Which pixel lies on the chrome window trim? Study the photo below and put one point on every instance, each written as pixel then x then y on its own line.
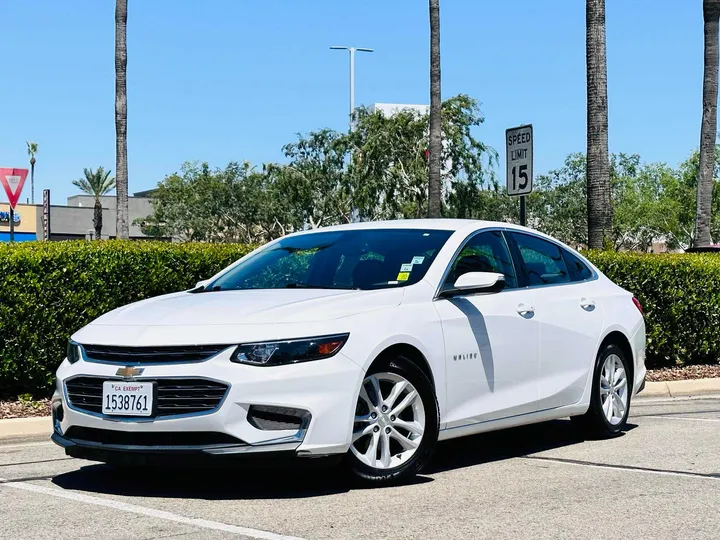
pixel 141 419
pixel 504 230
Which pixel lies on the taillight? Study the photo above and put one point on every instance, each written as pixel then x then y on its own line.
pixel 638 305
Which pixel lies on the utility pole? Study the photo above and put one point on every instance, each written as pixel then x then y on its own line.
pixel 352 51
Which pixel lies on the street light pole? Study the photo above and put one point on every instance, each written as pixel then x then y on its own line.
pixel 352 51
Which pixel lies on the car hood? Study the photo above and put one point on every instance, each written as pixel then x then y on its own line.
pixel 260 306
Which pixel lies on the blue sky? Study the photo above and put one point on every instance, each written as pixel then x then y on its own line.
pixel 221 80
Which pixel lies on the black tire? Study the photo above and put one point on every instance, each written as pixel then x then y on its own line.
pixel 594 423
pixel 368 475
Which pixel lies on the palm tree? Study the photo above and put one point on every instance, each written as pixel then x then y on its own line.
pixel 708 128
pixel 123 228
pixel 97 184
pixel 598 164
pixel 32 150
pixel 435 146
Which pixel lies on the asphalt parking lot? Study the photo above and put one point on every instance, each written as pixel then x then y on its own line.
pixel 660 479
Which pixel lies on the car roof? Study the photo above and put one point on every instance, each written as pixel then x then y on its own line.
pixel 432 224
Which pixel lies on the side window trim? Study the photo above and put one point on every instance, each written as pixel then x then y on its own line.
pixel 516 259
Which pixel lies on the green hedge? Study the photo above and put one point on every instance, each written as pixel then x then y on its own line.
pixel 680 294
pixel 51 289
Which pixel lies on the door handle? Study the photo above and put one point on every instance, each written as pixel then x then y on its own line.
pixel 587 305
pixel 526 311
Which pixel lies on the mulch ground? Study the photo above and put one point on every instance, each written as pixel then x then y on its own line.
pixel 24 409
pixel 27 409
pixel 683 373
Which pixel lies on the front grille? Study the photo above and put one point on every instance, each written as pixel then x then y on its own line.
pixel 174 396
pixel 154 438
pixel 152 355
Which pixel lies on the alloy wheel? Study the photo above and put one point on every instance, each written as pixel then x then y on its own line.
pixel 613 389
pixel 389 421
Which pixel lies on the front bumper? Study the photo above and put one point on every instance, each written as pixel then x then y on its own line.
pixel 171 455
pixel 326 389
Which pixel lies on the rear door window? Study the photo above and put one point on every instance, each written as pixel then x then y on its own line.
pixel 579 271
pixel 542 262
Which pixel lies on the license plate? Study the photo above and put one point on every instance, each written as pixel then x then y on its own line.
pixel 127 398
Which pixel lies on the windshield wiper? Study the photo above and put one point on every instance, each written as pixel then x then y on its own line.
pixel 298 285
pixel 204 289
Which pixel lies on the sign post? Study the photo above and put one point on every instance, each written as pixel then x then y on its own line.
pixel 46 214
pixel 13 181
pixel 519 164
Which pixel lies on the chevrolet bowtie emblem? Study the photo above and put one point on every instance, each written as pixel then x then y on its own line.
pixel 129 372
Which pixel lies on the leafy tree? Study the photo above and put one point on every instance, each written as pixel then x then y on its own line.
pixel 388 170
pixel 653 202
pixel 380 168
pixel 708 128
pixel 123 227
pixel 436 141
pixel 689 173
pixel 315 184
pixel 96 183
pixel 558 204
pixel 236 204
pixel 598 179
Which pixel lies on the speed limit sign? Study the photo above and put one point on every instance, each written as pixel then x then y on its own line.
pixel 519 160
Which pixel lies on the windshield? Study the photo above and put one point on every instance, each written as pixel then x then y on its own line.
pixel 353 259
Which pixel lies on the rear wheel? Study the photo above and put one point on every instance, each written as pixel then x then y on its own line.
pixel 610 399
pixel 395 429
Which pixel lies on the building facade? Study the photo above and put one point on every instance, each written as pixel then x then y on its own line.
pixel 26 222
pixel 73 221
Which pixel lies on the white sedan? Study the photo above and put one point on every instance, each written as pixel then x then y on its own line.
pixel 371 340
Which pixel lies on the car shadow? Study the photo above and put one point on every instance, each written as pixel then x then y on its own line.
pixel 304 478
pixel 506 444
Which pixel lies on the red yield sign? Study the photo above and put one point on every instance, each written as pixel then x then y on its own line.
pixel 13 181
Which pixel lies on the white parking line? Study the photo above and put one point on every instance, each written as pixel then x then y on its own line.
pixel 650 401
pixel 24 445
pixel 151 512
pixel 683 418
pixel 620 468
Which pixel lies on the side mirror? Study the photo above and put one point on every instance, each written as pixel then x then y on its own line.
pixel 201 283
pixel 474 283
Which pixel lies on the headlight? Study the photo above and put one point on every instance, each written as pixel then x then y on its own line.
pixel 277 353
pixel 73 351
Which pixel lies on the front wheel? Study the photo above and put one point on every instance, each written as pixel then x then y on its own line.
pixel 395 429
pixel 610 398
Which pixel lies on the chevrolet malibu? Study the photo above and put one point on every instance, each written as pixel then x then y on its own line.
pixel 371 340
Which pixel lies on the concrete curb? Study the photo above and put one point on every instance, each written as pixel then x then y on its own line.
pixel 42 425
pixel 25 427
pixel 689 388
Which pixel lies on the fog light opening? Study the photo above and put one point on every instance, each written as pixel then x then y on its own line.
pixel 58 413
pixel 269 418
